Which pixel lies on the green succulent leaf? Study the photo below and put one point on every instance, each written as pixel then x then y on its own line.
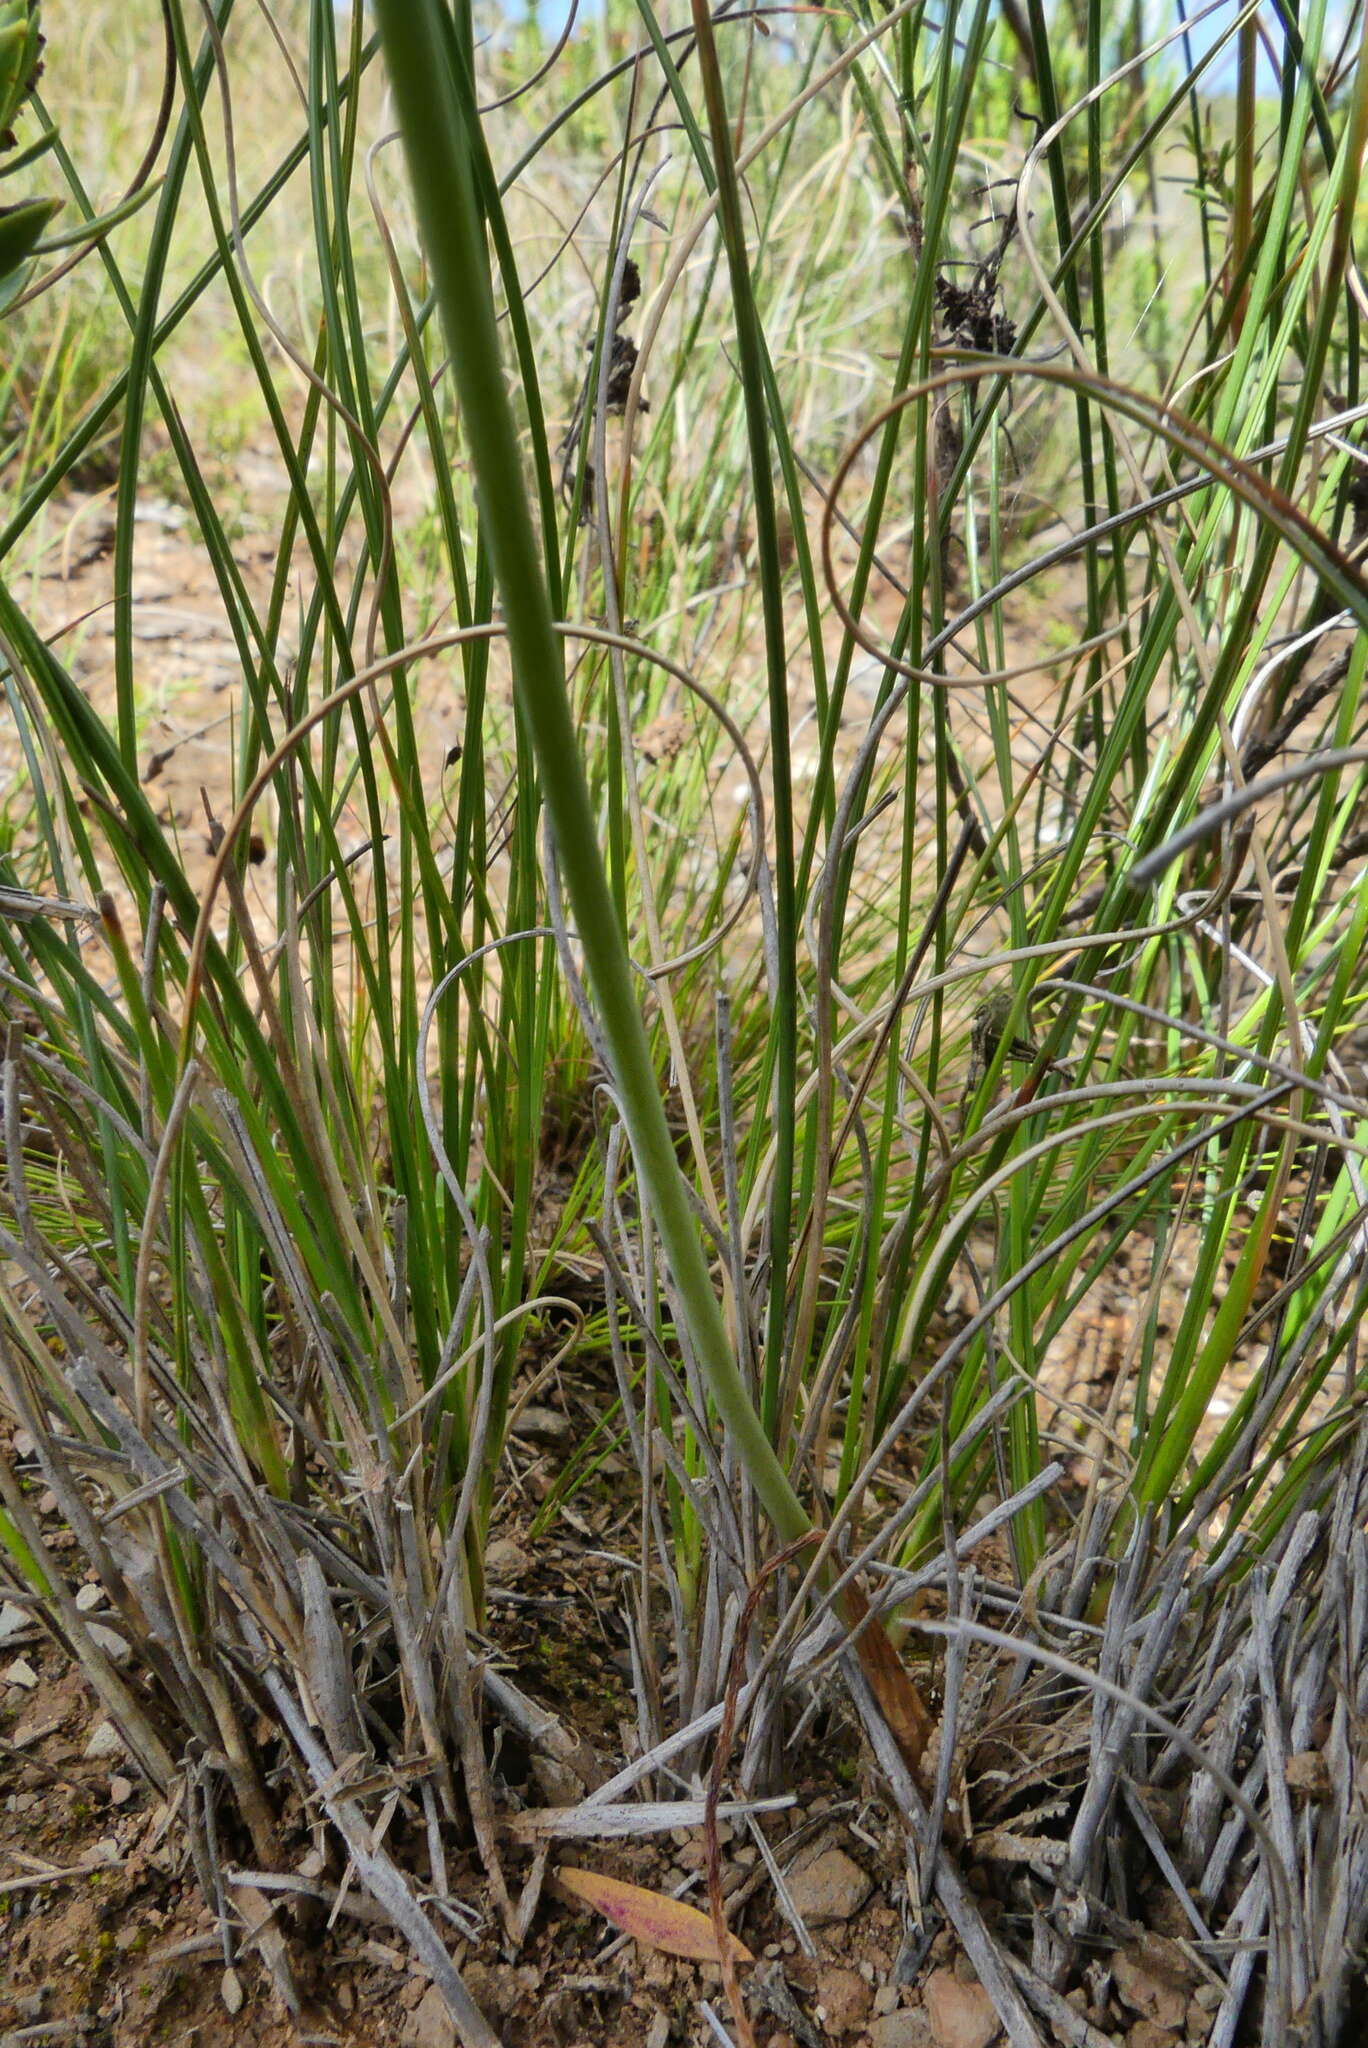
pixel 20 43
pixel 21 229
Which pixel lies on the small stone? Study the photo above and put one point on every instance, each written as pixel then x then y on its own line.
pixel 120 1791
pixel 47 1502
pixel 1151 1992
pixel 88 1598
pixel 908 2029
pixel 111 1642
pixel 1145 2034
pixel 105 1740
pixel 886 1999
pixel 22 1673
pixel 505 1561
pixel 829 1889
pixel 542 1425
pixel 13 1622
pixel 961 2015
pixel 1308 1773
pixel 430 2025
pixel 844 1999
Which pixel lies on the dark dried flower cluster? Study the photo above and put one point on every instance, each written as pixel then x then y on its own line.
pixel 972 318
pixel 622 361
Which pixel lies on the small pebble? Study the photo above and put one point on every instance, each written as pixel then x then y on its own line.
pixel 21 1672
pixel 105 1740
pixel 542 1425
pixel 828 1888
pixel 13 1621
pixel 112 1643
pixel 89 1597
pixel 505 1561
pixel 120 1791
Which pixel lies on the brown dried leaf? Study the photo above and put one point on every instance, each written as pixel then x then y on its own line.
pixel 650 1917
pixel 900 1702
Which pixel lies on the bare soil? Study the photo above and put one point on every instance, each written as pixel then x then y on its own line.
pixel 105 1937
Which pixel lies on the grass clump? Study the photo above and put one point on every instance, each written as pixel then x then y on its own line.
pixel 860 528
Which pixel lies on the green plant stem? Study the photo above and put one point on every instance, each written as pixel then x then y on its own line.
pixel 435 116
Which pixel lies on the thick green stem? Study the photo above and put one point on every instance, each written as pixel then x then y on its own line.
pixel 435 111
